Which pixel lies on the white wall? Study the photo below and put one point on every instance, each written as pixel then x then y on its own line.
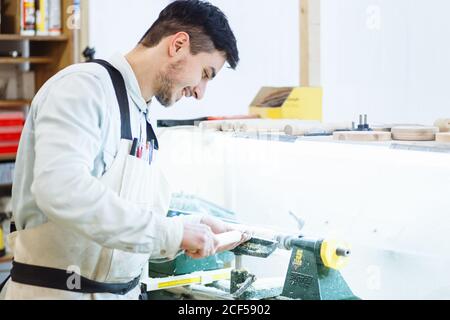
pixel 386 58
pixel 267 33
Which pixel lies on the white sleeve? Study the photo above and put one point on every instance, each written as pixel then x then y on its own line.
pixel 68 138
pixel 194 218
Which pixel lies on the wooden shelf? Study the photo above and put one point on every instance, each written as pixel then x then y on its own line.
pixel 14 103
pixel 18 37
pixel 8 157
pixel 8 258
pixel 34 60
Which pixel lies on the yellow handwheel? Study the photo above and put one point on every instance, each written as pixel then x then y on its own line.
pixel 334 254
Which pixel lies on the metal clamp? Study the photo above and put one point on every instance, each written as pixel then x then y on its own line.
pixel 244 286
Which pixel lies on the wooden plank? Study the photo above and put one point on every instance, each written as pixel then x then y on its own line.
pixel 8 157
pixel 18 37
pixel 414 133
pixel 84 38
pixel 304 43
pixel 67 56
pixel 35 60
pixel 14 103
pixel 365 136
pixel 315 43
pixel 443 137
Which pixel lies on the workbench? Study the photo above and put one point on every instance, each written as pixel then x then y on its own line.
pixel 387 199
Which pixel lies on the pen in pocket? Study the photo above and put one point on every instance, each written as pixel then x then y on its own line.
pixel 151 150
pixel 147 151
pixel 140 151
pixel 134 147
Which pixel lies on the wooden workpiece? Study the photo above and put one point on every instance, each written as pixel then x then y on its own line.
pixel 443 137
pixel 365 136
pixel 443 125
pixel 256 125
pixel 414 133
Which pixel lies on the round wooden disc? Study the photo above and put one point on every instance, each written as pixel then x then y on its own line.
pixel 443 137
pixel 362 136
pixel 414 133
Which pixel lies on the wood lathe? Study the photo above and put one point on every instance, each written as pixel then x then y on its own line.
pixel 312 272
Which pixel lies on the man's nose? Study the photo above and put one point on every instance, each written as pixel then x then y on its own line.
pixel 199 91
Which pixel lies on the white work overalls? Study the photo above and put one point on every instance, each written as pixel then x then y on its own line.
pixel 49 256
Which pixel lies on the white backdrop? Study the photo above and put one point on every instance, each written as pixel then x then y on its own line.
pixel 387 58
pixel 267 33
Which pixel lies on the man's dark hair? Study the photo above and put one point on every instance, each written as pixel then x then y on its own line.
pixel 206 25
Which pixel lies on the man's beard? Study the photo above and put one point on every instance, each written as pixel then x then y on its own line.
pixel 166 84
pixel 164 92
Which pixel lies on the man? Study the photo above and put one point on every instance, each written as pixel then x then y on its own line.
pixel 89 198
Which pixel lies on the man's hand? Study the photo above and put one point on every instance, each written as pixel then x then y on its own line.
pixel 218 226
pixel 198 240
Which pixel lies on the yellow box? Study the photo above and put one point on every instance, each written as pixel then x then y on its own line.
pixel 303 103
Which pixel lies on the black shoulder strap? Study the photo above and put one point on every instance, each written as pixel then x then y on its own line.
pixel 122 98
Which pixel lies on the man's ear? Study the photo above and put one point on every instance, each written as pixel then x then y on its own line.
pixel 179 41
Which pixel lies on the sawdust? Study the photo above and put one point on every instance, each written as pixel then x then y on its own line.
pixel 257 250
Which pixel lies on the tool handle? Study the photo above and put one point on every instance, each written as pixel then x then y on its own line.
pixel 227 238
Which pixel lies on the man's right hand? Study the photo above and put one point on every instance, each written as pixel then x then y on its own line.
pixel 198 240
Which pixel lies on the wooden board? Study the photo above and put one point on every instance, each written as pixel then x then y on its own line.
pixel 14 103
pixel 414 133
pixel 7 157
pixel 362 136
pixel 443 137
pixel 301 130
pixel 34 60
pixel 304 43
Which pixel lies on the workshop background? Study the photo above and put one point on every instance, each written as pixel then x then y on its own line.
pixel 378 63
pixel 378 57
